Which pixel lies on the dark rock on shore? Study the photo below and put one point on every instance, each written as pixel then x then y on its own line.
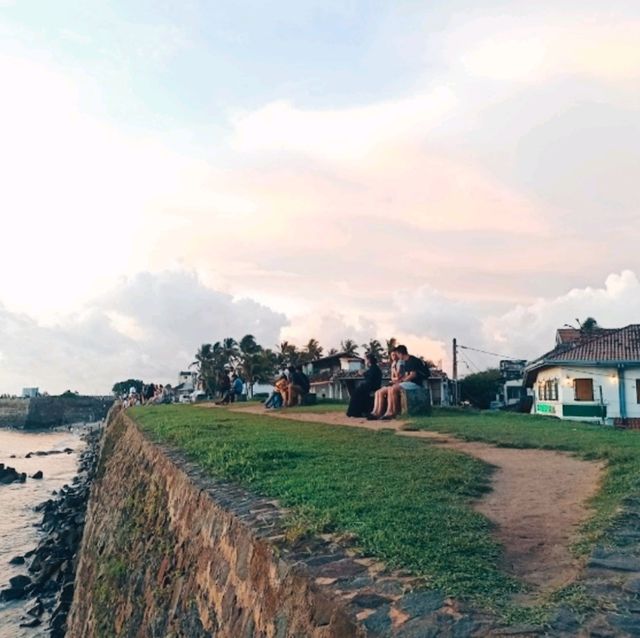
pixel 37 475
pixel 52 564
pixel 17 560
pixel 11 475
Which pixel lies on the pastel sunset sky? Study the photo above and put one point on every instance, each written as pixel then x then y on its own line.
pixel 175 172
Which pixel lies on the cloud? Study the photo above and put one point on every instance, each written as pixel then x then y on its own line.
pixel 529 330
pixel 340 135
pixel 534 48
pixel 149 327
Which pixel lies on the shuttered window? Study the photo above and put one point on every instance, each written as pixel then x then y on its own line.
pixel 638 390
pixel 583 389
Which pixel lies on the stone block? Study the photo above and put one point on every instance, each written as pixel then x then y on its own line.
pixel 415 402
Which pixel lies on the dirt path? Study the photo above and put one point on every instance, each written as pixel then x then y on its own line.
pixel 537 503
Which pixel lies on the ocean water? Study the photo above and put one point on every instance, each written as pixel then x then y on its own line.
pixel 18 533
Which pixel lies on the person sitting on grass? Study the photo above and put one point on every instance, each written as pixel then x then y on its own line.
pixel 361 402
pixel 276 398
pixel 381 395
pixel 298 387
pixel 415 373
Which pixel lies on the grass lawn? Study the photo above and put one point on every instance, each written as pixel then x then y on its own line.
pixel 620 449
pixel 407 501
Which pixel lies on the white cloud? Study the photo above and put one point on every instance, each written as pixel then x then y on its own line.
pixel 341 135
pixel 537 47
pixel 149 327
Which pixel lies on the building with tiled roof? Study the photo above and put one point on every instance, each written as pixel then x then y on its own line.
pixel 590 375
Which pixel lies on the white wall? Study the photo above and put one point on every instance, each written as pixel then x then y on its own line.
pixel 603 378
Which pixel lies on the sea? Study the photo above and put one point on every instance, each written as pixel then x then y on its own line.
pixel 18 519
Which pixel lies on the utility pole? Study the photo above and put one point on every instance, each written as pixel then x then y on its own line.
pixel 455 371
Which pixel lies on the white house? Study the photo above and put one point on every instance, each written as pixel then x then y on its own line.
pixel 590 376
pixel 187 383
pixel 326 374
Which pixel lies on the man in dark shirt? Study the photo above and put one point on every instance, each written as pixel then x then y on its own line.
pixel 415 374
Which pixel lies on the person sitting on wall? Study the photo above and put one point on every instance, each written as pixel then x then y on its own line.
pixel 381 395
pixel 415 374
pixel 361 402
pixel 277 397
pixel 299 386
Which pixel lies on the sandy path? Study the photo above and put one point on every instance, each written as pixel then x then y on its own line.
pixel 537 503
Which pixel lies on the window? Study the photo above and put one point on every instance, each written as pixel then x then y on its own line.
pixel 638 390
pixel 583 389
pixel 548 390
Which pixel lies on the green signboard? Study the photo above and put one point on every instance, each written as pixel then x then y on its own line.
pixel 545 408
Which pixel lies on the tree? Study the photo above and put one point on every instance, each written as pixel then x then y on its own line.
pixel 205 365
pixel 480 388
pixel 122 387
pixel 374 348
pixel 391 345
pixel 349 347
pixel 332 351
pixel 589 325
pixel 288 355
pixel 230 351
pixel 249 353
pixel 312 351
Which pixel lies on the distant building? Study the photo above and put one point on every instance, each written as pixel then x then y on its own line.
pixel 512 390
pixel 326 375
pixel 30 393
pixel 589 376
pixel 187 383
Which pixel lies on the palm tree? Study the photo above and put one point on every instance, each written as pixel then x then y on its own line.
pixel 230 351
pixel 332 351
pixel 374 348
pixel 313 350
pixel 349 347
pixel 589 325
pixel 249 352
pixel 205 368
pixel 391 345
pixel 288 355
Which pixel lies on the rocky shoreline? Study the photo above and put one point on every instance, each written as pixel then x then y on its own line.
pixel 47 587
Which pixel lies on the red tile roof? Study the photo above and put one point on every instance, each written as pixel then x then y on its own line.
pixel 605 345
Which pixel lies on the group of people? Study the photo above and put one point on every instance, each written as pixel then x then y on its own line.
pixel 231 388
pixel 151 394
pixel 290 388
pixel 369 399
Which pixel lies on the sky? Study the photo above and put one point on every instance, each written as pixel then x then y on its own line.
pixel 175 172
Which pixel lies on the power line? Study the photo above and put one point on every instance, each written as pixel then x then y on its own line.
pixel 493 354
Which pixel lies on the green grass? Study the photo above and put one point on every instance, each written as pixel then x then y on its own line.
pixel 619 449
pixel 405 500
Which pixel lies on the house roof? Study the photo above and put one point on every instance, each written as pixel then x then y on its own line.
pixel 571 335
pixel 607 345
pixel 337 355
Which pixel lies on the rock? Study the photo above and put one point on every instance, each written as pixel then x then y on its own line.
pixel 17 560
pixel 20 582
pixel 419 603
pixel 416 402
pixel 379 622
pixel 37 475
pixel 369 600
pixel 11 475
pixel 36 610
pixel 34 622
